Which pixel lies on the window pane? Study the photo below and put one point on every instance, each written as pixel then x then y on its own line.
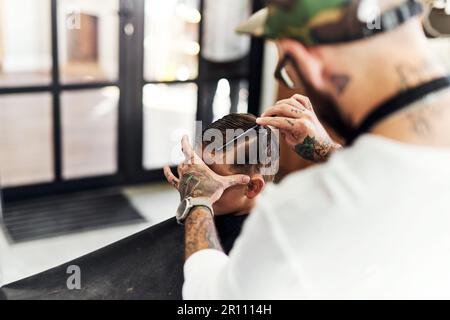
pixel 230 96
pixel 89 122
pixel 26 145
pixel 171 39
pixel 25 42
pixel 169 113
pixel 88 40
pixel 219 98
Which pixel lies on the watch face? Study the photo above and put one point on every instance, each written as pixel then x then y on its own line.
pixel 182 208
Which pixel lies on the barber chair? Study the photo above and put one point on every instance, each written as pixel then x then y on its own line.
pixel 147 265
pixel 144 266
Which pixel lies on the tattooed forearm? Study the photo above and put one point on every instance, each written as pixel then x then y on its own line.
pixel 200 232
pixel 313 150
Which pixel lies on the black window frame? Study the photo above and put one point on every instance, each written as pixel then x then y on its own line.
pixel 130 113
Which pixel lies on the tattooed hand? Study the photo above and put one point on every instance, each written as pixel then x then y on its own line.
pixel 196 179
pixel 298 123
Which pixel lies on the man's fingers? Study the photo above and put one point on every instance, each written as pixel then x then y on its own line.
pixel 304 100
pixel 291 101
pixel 283 110
pixel 190 155
pixel 174 181
pixel 179 169
pixel 238 179
pixel 296 101
pixel 281 123
pixel 187 149
pixel 283 104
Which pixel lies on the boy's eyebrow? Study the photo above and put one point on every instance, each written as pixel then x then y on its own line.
pixel 239 136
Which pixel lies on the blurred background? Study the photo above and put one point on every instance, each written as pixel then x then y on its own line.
pixel 94 99
pixel 86 83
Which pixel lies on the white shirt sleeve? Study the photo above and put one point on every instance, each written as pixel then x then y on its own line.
pixel 258 266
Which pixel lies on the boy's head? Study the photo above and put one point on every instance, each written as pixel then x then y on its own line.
pixel 248 154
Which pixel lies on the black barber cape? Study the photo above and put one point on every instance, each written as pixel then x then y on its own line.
pixel 147 265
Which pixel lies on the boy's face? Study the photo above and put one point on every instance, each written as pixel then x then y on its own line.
pixel 234 200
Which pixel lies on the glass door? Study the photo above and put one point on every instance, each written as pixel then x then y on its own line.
pixel 59 95
pixel 195 68
pixel 98 93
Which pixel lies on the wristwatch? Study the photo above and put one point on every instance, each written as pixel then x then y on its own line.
pixel 187 204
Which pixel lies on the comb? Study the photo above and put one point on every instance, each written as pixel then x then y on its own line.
pixel 237 137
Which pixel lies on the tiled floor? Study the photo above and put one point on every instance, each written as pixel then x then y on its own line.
pixel 17 261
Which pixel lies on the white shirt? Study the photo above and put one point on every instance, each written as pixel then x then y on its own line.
pixel 372 223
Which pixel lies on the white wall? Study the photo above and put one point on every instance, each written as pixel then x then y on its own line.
pixel 268 84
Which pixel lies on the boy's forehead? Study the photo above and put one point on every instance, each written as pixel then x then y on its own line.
pixel 221 169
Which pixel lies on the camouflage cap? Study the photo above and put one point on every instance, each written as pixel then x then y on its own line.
pixel 314 22
pixel 294 19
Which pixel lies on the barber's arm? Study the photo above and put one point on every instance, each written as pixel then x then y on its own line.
pixel 199 189
pixel 200 232
pixel 209 272
pixel 299 125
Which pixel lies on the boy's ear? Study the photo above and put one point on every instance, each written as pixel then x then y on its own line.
pixel 255 186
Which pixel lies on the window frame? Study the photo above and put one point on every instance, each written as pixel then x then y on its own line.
pixel 131 82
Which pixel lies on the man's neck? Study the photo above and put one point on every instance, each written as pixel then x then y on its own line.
pixel 366 91
pixel 246 208
pixel 426 122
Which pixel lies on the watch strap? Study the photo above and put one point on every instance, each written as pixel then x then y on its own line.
pixel 195 202
pixel 205 202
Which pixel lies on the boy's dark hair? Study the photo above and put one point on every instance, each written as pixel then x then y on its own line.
pixel 247 121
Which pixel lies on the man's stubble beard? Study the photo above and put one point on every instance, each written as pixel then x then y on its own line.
pixel 328 112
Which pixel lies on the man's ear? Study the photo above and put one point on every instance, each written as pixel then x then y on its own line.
pixel 255 186
pixel 310 62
